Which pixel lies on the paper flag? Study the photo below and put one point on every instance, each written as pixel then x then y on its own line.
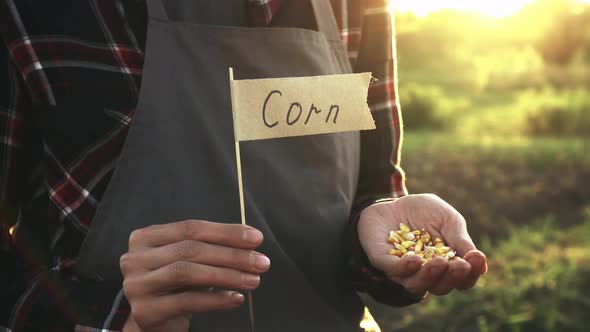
pixel 296 106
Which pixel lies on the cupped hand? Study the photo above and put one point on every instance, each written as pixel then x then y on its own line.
pixel 174 270
pixel 429 212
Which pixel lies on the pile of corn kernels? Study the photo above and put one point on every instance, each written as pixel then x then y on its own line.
pixel 418 242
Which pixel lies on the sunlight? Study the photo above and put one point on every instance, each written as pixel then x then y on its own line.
pixel 497 8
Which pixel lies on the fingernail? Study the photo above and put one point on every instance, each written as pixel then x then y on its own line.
pixel 261 262
pixel 237 298
pixel 250 280
pixel 252 235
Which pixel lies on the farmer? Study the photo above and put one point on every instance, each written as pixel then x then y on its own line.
pixel 119 177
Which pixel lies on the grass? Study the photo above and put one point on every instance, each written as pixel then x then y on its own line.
pixel 498 181
pixel 537 280
pixel 527 207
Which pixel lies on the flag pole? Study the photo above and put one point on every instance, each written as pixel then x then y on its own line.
pixel 240 183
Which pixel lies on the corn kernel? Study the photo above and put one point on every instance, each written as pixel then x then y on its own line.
pixel 409 236
pixel 395 252
pixel 392 239
pixel 441 250
pixel 408 244
pixel 419 246
pixel 397 236
pixel 404 228
pixel 418 242
pixel 409 253
pixel 400 248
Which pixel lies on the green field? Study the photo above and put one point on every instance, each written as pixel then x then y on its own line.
pixel 497 122
pixel 527 207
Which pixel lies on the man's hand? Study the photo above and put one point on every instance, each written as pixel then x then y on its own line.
pixel 177 269
pixel 436 216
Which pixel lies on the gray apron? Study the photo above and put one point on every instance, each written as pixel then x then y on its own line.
pixel 178 161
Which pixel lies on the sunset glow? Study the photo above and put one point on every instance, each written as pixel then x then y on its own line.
pixel 497 8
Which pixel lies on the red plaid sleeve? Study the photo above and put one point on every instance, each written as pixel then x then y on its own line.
pixel 39 291
pixel 372 49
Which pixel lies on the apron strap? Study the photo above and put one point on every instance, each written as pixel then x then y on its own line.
pixel 325 19
pixel 156 10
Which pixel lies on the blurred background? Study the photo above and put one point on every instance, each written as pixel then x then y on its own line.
pixel 495 97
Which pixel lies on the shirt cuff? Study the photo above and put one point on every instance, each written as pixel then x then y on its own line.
pixel 367 279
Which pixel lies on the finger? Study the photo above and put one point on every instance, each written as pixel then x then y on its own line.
pixel 153 311
pixel 395 267
pixel 182 275
pixel 453 277
pixel 428 276
pixel 231 235
pixel 477 260
pixel 195 252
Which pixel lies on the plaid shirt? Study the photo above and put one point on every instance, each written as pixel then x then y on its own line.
pixel 70 73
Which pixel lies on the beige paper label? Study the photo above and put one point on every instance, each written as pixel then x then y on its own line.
pixel 296 106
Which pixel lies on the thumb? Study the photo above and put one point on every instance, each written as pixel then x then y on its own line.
pixel 454 232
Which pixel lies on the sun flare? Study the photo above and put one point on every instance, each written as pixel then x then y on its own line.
pixel 496 8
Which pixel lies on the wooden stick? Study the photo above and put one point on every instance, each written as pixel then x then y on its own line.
pixel 240 183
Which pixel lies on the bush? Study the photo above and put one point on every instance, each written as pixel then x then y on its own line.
pixel 426 107
pixel 539 280
pixel 553 113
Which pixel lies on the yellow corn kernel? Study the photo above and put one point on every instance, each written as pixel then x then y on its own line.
pixel 419 246
pixel 421 254
pixel 424 261
pixel 437 240
pixel 400 248
pixel 395 252
pixel 425 237
pixel 408 244
pixel 409 236
pixel 397 236
pixel 441 250
pixel 439 244
pixel 404 228
pixel 392 239
pixel 409 253
pixel 417 232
